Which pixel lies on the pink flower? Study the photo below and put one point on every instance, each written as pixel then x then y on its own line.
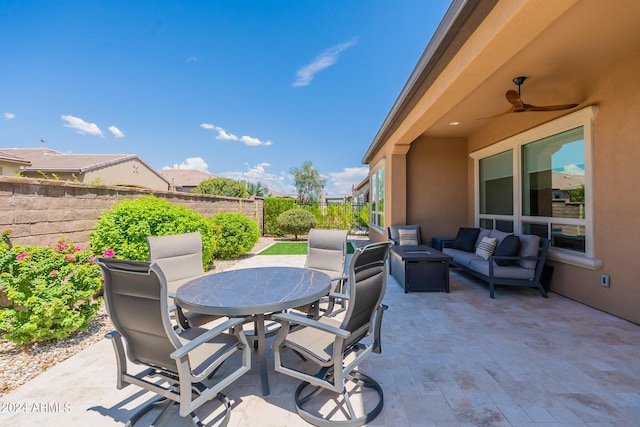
pixel 54 273
pixel 22 256
pixel 70 258
pixel 77 249
pixel 109 253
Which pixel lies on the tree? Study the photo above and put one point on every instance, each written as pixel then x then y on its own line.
pixel 223 187
pixel 257 189
pixel 307 181
pixel 296 221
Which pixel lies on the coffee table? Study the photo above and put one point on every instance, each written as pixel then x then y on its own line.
pixel 420 268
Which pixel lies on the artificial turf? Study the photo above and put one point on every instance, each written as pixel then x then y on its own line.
pixel 293 248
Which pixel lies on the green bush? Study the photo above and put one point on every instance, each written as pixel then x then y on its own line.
pixel 52 289
pixel 238 234
pixel 274 206
pixel 223 187
pixel 125 227
pixel 296 221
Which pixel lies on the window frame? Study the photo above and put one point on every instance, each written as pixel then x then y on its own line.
pixel 583 118
pixel 376 216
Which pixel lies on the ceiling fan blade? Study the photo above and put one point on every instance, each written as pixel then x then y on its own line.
pixel 529 107
pixel 514 98
pixel 509 111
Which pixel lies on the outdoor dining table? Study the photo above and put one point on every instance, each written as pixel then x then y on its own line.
pixel 256 292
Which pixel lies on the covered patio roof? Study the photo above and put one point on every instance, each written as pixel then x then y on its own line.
pixel 480 46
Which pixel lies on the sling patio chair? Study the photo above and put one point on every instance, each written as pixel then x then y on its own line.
pixel 335 348
pixel 180 258
pixel 327 253
pixel 187 362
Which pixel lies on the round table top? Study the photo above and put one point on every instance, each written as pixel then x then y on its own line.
pixel 251 291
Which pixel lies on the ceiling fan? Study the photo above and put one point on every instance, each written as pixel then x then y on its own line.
pixel 518 106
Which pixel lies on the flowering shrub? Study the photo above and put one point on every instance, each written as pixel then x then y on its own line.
pixel 52 289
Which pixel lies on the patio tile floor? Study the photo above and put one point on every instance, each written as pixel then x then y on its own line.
pixel 456 359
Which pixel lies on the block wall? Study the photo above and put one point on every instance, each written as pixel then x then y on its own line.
pixel 39 211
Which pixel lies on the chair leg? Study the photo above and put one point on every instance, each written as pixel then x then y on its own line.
pixel 353 420
pixel 167 404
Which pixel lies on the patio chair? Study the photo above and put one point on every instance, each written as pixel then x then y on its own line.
pixel 179 256
pixel 136 299
pixel 405 234
pixel 336 347
pixel 327 253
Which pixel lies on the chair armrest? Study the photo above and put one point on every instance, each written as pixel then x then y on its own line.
pixel 447 243
pixel 185 349
pixel 338 295
pixel 305 321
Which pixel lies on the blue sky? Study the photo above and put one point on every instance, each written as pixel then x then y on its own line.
pixel 242 89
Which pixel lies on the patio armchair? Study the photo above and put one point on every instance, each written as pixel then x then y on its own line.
pixel 180 258
pixel 327 253
pixel 336 348
pixel 404 234
pixel 186 362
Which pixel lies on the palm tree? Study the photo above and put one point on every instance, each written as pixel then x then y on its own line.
pixel 257 189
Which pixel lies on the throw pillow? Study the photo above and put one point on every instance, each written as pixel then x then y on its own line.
pixel 466 239
pixel 528 247
pixel 510 246
pixel 486 247
pixel 407 237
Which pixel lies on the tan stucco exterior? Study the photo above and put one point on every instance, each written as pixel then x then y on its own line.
pixel 577 51
pixel 128 173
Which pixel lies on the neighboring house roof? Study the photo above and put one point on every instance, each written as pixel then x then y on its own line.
pixel 47 160
pixel 273 193
pixel 10 158
pixel 565 181
pixel 185 178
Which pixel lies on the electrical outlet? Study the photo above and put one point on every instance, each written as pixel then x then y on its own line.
pixel 605 280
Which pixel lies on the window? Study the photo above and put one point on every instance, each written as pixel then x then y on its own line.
pixel 539 182
pixel 496 191
pixel 553 189
pixel 377 198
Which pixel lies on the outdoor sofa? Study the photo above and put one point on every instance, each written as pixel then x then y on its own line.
pixel 499 258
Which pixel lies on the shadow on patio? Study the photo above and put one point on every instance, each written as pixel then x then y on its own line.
pixel 448 360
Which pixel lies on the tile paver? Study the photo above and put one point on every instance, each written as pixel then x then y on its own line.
pixel 456 359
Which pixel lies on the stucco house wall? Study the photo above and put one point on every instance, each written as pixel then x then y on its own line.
pixel 550 45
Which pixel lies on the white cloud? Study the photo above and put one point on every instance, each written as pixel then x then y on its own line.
pixel 9 116
pixel 326 59
pixel 81 126
pixel 277 182
pixel 116 132
pixel 573 170
pixel 193 59
pixel 340 183
pixel 224 136
pixel 196 163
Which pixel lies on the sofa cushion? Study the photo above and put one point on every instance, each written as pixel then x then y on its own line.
pixel 466 239
pixel 528 247
pixel 499 235
pixel 481 235
pixel 461 257
pixel 509 246
pixel 506 272
pixel 486 247
pixel 407 237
